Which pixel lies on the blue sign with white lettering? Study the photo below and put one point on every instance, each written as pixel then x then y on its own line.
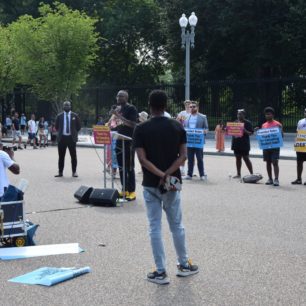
pixel 269 138
pixel 195 138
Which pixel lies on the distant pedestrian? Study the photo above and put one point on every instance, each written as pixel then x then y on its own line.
pixel 67 125
pixel 219 136
pixel 32 129
pixel 300 156
pixel 23 123
pixel 241 145
pixel 271 156
pixel 8 124
pixel 41 132
pixel 16 130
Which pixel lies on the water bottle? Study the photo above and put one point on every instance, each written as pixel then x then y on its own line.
pixel 23 185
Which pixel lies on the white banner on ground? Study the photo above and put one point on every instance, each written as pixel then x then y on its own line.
pixel 39 250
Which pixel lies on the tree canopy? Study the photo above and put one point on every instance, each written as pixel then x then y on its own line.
pixel 235 39
pixel 54 51
pixel 8 67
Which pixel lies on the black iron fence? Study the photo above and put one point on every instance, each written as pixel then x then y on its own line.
pixel 219 100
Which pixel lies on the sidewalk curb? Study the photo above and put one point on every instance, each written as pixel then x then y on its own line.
pixel 85 145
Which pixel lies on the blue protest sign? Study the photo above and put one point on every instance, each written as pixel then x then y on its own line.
pixel 195 138
pixel 48 276
pixel 269 138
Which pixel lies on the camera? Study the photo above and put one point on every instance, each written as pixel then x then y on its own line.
pixel 8 148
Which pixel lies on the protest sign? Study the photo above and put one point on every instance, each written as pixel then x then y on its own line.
pixel 269 138
pixel 235 129
pixel 195 138
pixel 300 141
pixel 49 276
pixel 102 134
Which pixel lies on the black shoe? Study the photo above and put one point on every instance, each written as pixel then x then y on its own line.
pixel 158 278
pixel 297 182
pixel 187 270
pixel 74 174
pixel 20 148
pixel 269 182
pixel 59 175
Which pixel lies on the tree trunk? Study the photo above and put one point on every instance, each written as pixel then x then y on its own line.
pixel 57 107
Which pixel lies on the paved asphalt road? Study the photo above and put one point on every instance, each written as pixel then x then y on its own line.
pixel 249 240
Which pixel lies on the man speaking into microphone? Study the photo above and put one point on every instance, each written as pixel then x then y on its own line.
pixel 127 114
pixel 68 125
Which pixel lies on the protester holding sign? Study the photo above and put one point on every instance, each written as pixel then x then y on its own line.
pixel 271 156
pixel 195 141
pixel 300 148
pixel 241 145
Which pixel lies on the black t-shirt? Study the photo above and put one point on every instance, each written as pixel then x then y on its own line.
pixel 16 124
pixel 161 138
pixel 243 143
pixel 129 112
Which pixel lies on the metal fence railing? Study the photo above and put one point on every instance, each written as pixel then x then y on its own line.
pixel 219 100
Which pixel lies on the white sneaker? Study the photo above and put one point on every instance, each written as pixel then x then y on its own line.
pixel 187 177
pixel 203 178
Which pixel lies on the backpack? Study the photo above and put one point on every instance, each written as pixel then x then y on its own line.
pixel 252 178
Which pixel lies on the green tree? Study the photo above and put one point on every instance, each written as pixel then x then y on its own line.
pixel 55 51
pixel 132 49
pixel 8 66
pixel 239 39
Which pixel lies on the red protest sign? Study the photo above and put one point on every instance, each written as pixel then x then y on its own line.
pixel 235 129
pixel 102 134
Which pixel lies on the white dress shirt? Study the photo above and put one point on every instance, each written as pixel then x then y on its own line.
pixel 65 124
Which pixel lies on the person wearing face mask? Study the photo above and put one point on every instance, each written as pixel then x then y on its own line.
pixel 127 114
pixel 68 125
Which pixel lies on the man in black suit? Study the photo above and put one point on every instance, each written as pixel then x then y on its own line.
pixel 68 125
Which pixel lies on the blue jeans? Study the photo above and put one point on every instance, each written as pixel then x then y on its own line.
pixel 199 154
pixel 170 202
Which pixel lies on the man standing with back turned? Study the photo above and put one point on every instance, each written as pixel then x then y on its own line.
pixel 160 144
pixel 67 125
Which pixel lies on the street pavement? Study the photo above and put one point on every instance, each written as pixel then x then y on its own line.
pixel 248 240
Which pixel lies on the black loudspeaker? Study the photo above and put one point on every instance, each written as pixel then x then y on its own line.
pixel 104 197
pixel 83 193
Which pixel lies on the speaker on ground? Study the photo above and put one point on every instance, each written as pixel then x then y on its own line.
pixel 104 197
pixel 83 193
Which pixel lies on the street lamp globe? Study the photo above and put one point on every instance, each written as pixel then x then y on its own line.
pixel 193 19
pixel 183 21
